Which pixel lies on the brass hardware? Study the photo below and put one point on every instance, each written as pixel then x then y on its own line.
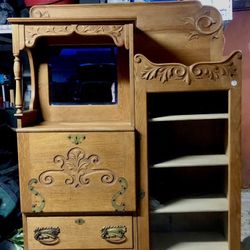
pixel 76 139
pixel 40 201
pixel 79 221
pixel 47 235
pixel 114 234
pixel 124 185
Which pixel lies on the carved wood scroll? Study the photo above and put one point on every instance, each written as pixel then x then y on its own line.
pixel 166 72
pixel 78 169
pixel 206 22
pixel 117 32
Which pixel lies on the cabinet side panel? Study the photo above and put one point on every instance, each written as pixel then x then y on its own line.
pixel 234 169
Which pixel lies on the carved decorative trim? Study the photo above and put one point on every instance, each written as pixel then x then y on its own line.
pixel 214 72
pixel 116 32
pixel 164 73
pixel 206 22
pixel 39 13
pixel 78 169
pixel 33 32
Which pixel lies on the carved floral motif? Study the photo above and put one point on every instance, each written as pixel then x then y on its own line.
pixel 180 72
pixel 116 32
pixel 207 21
pixel 78 169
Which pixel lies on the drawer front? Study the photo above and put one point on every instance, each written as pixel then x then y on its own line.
pixel 80 232
pixel 88 172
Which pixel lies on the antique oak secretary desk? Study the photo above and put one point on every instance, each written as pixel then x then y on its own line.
pixel 132 137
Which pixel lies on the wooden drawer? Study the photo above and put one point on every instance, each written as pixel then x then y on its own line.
pixel 80 232
pixel 93 173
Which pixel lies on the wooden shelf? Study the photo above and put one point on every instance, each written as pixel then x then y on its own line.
pixel 189 241
pixel 77 126
pixel 194 161
pixel 189 117
pixel 194 205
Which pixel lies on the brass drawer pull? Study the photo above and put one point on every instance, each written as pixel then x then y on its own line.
pixel 114 234
pixel 47 235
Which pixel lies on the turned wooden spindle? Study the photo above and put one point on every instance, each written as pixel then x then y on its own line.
pixel 18 77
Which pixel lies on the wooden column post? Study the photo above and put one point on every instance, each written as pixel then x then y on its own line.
pixel 18 80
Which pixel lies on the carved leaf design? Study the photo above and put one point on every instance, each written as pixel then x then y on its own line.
pixel 163 72
pixel 90 29
pixel 175 72
pixel 33 32
pixel 214 71
pixel 149 72
pixel 116 32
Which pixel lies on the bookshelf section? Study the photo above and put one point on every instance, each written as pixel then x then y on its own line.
pixel 188 169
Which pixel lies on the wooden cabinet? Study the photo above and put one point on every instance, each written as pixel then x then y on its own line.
pixel 191 130
pixel 87 232
pixel 98 174
pixel 132 137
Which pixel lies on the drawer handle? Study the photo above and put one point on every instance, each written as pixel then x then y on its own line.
pixel 47 235
pixel 114 234
pixel 76 139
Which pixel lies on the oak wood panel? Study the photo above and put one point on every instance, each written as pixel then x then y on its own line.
pixel 174 34
pixel 234 151
pixel 95 175
pixel 48 126
pixel 80 236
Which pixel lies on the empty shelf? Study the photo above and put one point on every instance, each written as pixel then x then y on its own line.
pixel 189 241
pixel 189 117
pixel 193 205
pixel 194 160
